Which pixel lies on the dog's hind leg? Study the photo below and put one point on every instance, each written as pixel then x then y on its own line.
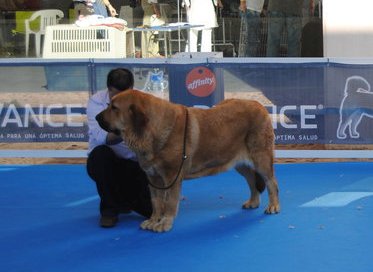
pixel 263 164
pixel 256 185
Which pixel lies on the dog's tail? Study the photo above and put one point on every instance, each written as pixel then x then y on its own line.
pixel 259 182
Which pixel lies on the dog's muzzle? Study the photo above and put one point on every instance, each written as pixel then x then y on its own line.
pixel 104 124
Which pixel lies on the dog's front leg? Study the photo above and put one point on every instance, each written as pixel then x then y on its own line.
pixel 165 207
pixel 171 200
pixel 157 203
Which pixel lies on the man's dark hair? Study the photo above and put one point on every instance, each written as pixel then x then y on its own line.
pixel 120 79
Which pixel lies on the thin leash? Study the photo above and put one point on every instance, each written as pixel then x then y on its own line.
pixel 184 157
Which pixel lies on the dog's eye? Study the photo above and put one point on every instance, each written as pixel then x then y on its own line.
pixel 114 107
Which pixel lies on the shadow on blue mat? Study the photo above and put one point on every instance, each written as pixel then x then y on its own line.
pixel 50 223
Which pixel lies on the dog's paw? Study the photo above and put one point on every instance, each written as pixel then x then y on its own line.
pixel 272 209
pixel 162 225
pixel 148 224
pixel 165 224
pixel 355 134
pixel 251 203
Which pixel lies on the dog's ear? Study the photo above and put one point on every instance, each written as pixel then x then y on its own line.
pixel 138 117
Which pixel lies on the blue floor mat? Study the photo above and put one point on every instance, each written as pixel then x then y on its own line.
pixel 49 222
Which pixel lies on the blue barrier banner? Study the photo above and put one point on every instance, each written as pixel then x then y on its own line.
pixel 43 100
pixel 292 92
pixel 310 102
pixel 349 100
pixel 67 77
pixel 52 123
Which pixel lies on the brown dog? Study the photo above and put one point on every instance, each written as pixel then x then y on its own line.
pixel 173 142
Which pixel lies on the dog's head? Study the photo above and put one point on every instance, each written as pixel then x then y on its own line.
pixel 126 112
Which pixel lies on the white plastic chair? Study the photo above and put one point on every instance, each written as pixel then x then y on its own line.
pixel 47 17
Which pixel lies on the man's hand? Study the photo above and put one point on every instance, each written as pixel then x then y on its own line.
pixel 112 139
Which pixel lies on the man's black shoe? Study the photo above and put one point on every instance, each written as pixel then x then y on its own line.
pixel 108 221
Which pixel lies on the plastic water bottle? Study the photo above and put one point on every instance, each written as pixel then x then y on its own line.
pixel 157 84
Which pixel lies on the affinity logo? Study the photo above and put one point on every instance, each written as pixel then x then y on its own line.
pixel 200 82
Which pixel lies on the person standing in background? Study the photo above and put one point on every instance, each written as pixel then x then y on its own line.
pixel 284 15
pixel 167 8
pixel 90 7
pixel 102 7
pixel 201 12
pixel 82 7
pixel 149 43
pixel 251 25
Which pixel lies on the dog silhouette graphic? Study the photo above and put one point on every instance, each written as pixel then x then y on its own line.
pixel 356 103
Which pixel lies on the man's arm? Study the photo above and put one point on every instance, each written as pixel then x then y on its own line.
pixel 111 9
